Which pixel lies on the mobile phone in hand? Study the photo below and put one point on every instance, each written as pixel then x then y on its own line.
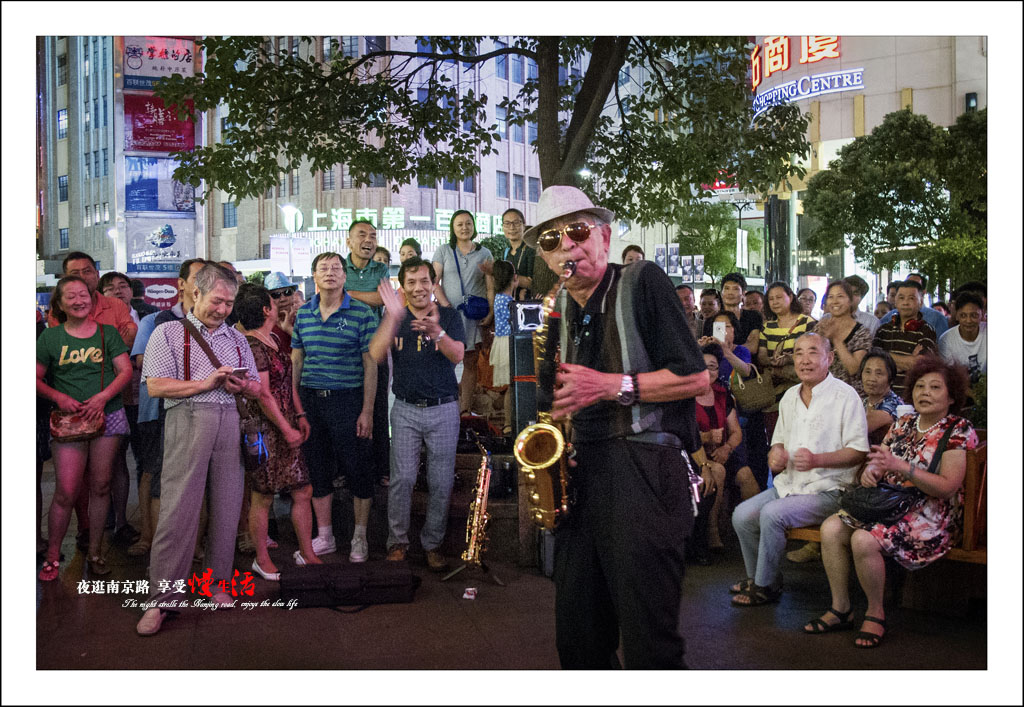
pixel 718 331
pixel 239 372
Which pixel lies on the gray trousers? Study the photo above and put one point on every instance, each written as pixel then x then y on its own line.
pixel 411 428
pixel 201 443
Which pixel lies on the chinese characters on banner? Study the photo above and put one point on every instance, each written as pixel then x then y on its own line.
pixel 775 55
pixel 149 186
pixel 159 245
pixel 149 126
pixel 149 59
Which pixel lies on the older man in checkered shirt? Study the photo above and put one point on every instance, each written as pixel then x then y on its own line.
pixel 201 437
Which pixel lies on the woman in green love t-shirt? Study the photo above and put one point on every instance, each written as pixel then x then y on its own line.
pixel 70 357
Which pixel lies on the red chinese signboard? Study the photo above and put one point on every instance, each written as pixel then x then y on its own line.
pixel 774 57
pixel 150 126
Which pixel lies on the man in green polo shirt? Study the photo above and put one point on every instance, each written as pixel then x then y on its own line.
pixel 336 379
pixel 364 275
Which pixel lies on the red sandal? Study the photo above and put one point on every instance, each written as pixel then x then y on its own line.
pixel 49 571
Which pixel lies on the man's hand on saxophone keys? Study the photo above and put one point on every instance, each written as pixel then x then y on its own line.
pixel 577 387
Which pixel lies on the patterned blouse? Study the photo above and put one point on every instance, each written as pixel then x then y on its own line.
pixel 859 339
pixel 930 529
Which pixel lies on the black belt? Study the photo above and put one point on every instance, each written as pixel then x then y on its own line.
pixel 665 439
pixel 428 402
pixel 326 393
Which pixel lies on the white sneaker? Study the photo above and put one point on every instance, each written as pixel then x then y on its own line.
pixel 324 546
pixel 360 550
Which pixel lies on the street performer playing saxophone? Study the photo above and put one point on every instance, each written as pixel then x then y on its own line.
pixel 425 348
pixel 630 370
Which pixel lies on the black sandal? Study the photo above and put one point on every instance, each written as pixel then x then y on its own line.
pixel 741 586
pixel 873 638
pixel 758 596
pixel 819 625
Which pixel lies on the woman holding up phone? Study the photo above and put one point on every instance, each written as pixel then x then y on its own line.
pixel 721 330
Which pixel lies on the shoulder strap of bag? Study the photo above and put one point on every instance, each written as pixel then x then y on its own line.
pixel 940 450
pixel 103 348
pixel 191 329
pixel 782 344
pixel 455 254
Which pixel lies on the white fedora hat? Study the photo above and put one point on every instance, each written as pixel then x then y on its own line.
pixel 559 201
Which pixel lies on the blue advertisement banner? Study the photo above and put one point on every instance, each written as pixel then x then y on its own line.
pixel 149 186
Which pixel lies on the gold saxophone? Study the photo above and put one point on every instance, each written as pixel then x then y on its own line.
pixel 476 523
pixel 540 449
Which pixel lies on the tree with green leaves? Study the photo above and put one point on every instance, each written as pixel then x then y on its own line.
pixel 909 192
pixel 709 228
pixel 651 117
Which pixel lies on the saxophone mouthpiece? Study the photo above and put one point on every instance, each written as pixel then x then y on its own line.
pixel 569 268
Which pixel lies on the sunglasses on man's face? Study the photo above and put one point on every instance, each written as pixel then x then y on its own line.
pixel 278 294
pixel 579 232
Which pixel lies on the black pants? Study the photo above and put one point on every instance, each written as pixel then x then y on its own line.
pixel 619 558
pixel 381 438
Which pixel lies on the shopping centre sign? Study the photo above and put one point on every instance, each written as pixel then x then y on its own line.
pixel 772 56
pixel 392 218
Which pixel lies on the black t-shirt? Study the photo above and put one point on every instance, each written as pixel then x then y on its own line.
pixel 421 371
pixel 666 337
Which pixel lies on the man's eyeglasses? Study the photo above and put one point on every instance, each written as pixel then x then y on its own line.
pixel 579 232
pixel 286 292
pixel 512 224
pixel 331 270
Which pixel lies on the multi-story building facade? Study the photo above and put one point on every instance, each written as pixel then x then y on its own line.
pixel 848 85
pixel 75 149
pixel 320 205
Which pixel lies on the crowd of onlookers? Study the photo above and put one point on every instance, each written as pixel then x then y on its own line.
pixel 302 388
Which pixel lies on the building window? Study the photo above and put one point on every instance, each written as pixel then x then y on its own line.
pixel 502 186
pixel 230 214
pixel 295 182
pixel 531 132
pixel 501 62
pixel 105 113
pixel 517 68
pixel 518 133
pixel 62 69
pixel 328 48
pixel 281 186
pixel 469 185
pixel 295 46
pixel 63 239
pixel 376 44
pixel 224 125
pixel 424 183
pixel 328 180
pixel 106 212
pixel 377 180
pixel 350 47
pixel 534 189
pixel 531 70
pixel 518 187
pixel 96 213
pixel 623 76
pixel 106 161
pixel 502 116
pixel 62 187
pixel 449 185
pixel 96 162
pixel 62 124
pixel 269 194
pixel 86 115
pixel 469 51
pixel 87 221
pixel 85 162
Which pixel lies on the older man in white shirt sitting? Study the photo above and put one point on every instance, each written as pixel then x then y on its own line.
pixel 820 440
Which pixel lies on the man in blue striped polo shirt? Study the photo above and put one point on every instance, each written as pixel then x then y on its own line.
pixel 336 380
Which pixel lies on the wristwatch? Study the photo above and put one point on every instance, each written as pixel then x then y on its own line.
pixel 441 335
pixel 627 391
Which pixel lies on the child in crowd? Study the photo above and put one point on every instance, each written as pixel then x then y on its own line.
pixel 505 282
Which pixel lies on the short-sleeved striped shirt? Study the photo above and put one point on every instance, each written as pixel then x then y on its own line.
pixel 775 334
pixel 895 339
pixel 333 349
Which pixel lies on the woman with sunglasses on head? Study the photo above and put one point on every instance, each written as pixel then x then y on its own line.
pixel 463 270
pixel 82 367
pixel 284 429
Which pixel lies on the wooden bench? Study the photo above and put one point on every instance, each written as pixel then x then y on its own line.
pixel 972 547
